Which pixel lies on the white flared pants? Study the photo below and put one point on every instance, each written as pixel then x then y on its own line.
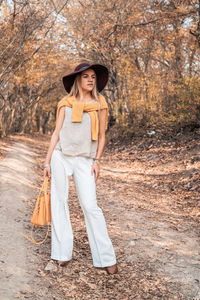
pixel 62 167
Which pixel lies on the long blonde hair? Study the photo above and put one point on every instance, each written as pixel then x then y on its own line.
pixel 76 90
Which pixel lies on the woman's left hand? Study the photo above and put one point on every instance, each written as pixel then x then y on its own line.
pixel 96 170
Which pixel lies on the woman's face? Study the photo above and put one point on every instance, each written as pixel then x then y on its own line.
pixel 88 80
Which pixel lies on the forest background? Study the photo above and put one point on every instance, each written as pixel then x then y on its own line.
pixel 151 48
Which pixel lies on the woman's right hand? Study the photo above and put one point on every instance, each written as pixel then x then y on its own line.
pixel 47 171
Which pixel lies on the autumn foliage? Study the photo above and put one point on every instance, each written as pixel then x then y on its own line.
pixel 150 47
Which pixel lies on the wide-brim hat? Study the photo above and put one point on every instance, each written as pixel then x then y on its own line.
pixel 100 71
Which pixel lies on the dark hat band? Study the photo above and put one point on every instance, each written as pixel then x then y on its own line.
pixel 81 69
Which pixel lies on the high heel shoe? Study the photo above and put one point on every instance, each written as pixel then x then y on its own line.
pixel 62 263
pixel 111 270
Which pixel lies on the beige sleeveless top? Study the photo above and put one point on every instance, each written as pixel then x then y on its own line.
pixel 75 138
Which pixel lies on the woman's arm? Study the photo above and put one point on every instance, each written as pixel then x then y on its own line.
pixel 102 136
pixel 54 140
pixel 101 142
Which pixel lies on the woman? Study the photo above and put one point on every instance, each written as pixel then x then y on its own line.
pixel 75 149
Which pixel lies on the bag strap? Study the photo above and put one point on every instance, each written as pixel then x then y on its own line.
pixel 46 184
pixel 32 238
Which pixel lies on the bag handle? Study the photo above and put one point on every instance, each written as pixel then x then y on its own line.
pixel 32 238
pixel 46 184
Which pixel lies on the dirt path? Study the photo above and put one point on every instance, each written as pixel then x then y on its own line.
pixel 18 264
pixel 150 202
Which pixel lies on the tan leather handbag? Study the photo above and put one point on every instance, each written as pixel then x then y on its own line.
pixel 42 211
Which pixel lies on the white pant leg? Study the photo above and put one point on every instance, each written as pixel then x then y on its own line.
pixel 101 247
pixel 61 230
